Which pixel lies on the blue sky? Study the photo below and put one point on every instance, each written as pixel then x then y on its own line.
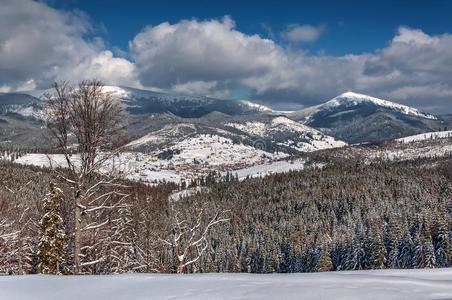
pixel 286 54
pixel 351 26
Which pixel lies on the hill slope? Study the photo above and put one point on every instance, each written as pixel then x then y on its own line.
pixel 357 118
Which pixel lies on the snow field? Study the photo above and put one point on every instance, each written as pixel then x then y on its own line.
pixel 376 284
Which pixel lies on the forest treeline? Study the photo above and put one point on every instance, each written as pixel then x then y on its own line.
pixel 346 215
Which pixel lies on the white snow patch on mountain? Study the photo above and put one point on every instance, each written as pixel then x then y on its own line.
pixel 426 136
pixel 258 107
pixel 24 110
pixel 253 128
pixel 217 150
pixel 133 166
pixel 191 157
pixel 350 99
pixel 168 133
pixel 312 138
pixel 262 170
pixel 128 93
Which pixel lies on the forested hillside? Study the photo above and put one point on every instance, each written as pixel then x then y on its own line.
pixel 344 216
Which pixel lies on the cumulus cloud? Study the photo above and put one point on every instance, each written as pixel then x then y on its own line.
pixel 296 33
pixel 39 44
pixel 213 57
pixel 194 51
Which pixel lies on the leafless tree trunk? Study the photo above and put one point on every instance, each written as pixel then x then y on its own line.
pixel 84 123
pixel 13 233
pixel 189 239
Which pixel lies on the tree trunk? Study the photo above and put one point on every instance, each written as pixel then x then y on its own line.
pixel 77 234
pixel 181 268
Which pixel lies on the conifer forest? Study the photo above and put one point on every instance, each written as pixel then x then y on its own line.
pixel 347 215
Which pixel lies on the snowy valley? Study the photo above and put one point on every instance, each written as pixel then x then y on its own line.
pixel 239 188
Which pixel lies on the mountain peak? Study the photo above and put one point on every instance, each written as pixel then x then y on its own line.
pixel 350 99
pixel 351 94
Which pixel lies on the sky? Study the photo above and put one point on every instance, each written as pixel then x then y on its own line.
pixel 285 54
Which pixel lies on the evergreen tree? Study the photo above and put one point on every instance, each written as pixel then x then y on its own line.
pixel 424 250
pixel 52 236
pixel 406 252
pixel 325 263
pixel 441 242
pixel 391 242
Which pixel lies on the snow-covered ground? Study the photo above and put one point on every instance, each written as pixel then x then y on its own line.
pixel 426 136
pixel 312 139
pixel 133 166
pixel 413 153
pixel 381 284
pixel 270 168
pixel 238 159
pixel 218 150
pixel 350 99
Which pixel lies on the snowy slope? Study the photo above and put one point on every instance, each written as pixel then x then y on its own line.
pixel 357 118
pixel 217 150
pixel 351 99
pixel 426 136
pixel 168 134
pixel 379 284
pixel 139 101
pixel 190 157
pixel 128 94
pixel 21 104
pixel 289 133
pixel 262 170
pixel 256 106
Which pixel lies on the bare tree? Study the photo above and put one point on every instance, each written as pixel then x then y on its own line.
pixel 15 246
pixel 189 238
pixel 85 124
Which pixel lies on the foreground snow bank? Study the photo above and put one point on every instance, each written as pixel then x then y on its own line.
pixel 383 284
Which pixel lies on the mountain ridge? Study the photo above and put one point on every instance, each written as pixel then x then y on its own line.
pixel 350 116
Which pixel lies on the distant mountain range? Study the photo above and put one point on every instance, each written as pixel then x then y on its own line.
pixel 158 121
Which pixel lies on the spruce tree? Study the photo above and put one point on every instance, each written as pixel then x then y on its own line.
pixel 325 263
pixel 52 235
pixel 441 242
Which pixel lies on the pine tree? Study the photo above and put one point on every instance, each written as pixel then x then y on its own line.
pixel 325 263
pixel 441 242
pixel 406 252
pixel 392 235
pixel 424 250
pixel 377 251
pixel 52 236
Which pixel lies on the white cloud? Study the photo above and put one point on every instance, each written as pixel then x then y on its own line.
pixel 303 33
pixel 104 66
pixel 191 51
pixel 40 44
pixel 212 57
pixel 205 88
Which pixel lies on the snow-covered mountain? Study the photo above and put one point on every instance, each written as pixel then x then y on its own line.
pixel 267 135
pixel 138 101
pixel 349 117
pixel 356 117
pixel 158 120
pixel 21 104
pixel 350 100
